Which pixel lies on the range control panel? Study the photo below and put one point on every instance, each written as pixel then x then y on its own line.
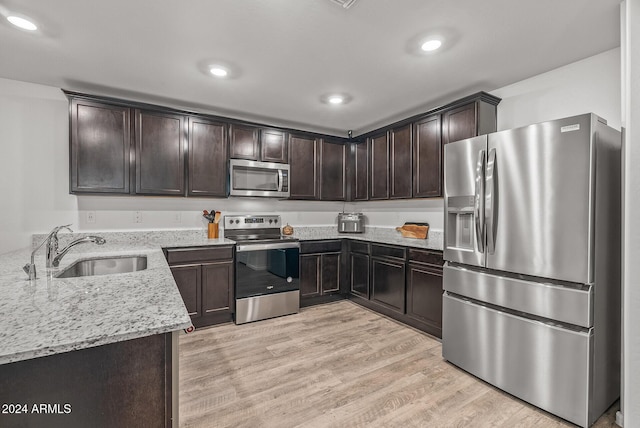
pixel 251 221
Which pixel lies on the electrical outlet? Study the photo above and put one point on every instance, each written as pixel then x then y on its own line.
pixel 177 217
pixel 137 217
pixel 91 216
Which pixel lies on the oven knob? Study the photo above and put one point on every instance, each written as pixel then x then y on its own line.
pixel 275 221
pixel 237 221
pixel 270 221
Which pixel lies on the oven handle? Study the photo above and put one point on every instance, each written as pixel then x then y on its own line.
pixel 261 247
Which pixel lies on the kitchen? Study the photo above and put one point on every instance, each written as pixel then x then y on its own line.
pixel 36 174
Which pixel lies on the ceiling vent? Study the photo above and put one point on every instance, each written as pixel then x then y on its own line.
pixel 344 3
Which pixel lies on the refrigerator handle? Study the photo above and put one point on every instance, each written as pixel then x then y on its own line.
pixel 479 205
pixel 490 201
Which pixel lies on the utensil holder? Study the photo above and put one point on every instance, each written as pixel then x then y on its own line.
pixel 213 231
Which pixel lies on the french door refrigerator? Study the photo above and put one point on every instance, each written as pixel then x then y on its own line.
pixel 532 273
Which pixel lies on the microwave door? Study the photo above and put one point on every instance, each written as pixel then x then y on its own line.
pixel 255 179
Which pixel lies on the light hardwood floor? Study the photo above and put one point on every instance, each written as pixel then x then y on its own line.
pixel 337 365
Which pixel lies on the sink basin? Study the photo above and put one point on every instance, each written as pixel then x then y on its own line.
pixel 104 266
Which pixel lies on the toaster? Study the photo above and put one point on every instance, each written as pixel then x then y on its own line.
pixel 351 223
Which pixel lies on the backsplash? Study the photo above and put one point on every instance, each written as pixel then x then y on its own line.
pixel 119 213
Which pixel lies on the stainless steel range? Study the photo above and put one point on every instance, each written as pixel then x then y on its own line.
pixel 267 268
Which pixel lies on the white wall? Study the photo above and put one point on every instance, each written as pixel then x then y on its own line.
pixel 34 162
pixel 591 85
pixel 631 273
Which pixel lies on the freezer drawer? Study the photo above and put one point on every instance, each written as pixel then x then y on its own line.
pixel 566 304
pixel 542 364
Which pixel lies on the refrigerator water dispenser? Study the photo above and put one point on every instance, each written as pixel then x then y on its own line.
pixel 460 223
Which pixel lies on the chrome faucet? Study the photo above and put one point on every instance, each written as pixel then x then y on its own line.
pixel 58 255
pixel 53 255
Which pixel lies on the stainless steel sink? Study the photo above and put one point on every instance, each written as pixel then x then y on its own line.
pixel 104 266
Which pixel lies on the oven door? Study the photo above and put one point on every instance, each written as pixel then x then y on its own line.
pixel 251 178
pixel 263 269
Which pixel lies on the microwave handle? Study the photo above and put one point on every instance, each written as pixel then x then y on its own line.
pixel 280 180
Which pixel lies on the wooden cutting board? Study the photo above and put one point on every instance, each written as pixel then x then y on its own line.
pixel 414 230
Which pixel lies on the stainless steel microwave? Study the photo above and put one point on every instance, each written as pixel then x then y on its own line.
pixel 252 178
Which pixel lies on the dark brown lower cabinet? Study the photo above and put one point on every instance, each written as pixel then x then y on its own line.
pixel 320 271
pixel 205 278
pixel 411 292
pixel 319 274
pixel 424 297
pixel 359 274
pixel 388 283
pixel 123 384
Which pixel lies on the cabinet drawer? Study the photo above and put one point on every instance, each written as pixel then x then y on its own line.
pixel 387 251
pixel 426 257
pixel 307 247
pixel 195 255
pixel 359 247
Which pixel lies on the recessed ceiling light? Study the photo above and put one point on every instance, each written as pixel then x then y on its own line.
pixel 431 45
pixel 218 71
pixel 336 98
pixel 23 23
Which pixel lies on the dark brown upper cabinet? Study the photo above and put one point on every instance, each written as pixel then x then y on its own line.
pixel 427 157
pixel 100 147
pixel 244 142
pixel 160 140
pixel 400 154
pixel 469 120
pixel 252 143
pixel 303 167
pixel 360 167
pixel 379 169
pixel 208 166
pixel 274 146
pixel 333 162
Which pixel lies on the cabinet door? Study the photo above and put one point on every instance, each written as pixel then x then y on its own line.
pixel 360 189
pixel 459 123
pixel 424 297
pixel 427 158
pixel 400 162
pixel 359 268
pixel 160 143
pixel 243 142
pixel 310 275
pixel 274 146
pixel 303 169
pixel 217 287
pixel 100 148
pixel 330 277
pixel 188 279
pixel 388 284
pixel 379 157
pixel 208 166
pixel 333 162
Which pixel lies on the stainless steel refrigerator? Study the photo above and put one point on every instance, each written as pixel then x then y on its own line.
pixel 532 273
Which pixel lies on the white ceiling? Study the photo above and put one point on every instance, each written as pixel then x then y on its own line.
pixel 287 54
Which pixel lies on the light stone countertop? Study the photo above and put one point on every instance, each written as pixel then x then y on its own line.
pixel 52 315
pixel 381 235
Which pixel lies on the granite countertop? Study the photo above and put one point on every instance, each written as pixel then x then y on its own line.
pixel 381 235
pixel 51 315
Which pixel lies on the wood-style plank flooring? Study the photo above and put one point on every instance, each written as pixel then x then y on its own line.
pixel 337 365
